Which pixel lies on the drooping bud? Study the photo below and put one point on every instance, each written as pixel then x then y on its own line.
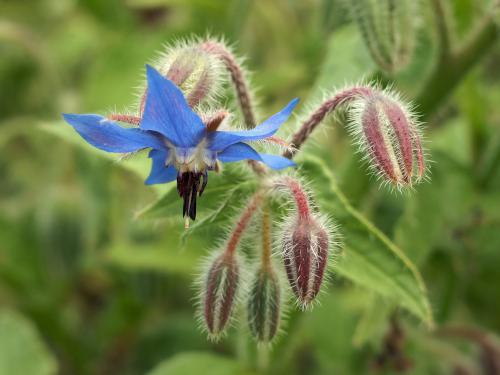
pixel 305 245
pixel 389 30
pixel 305 242
pixel 219 293
pixel 197 72
pixel 388 133
pixel 264 305
pixel 264 300
pixel 219 286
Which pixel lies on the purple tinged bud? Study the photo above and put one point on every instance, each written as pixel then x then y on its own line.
pixel 264 305
pixel 198 73
pixel 305 252
pixel 390 137
pixel 219 293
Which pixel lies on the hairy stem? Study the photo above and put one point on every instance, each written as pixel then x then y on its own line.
pixel 321 112
pixel 454 61
pixel 266 239
pixel 298 193
pixel 129 119
pixel 243 221
pixel 238 77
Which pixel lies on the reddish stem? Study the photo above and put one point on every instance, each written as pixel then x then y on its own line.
pixel 298 194
pixel 134 120
pixel 321 112
pixel 237 76
pixel 242 223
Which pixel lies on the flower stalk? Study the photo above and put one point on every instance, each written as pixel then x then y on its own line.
pixel 264 301
pixel 317 116
pixel 241 86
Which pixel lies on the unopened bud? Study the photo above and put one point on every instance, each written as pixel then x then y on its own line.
pixel 389 30
pixel 264 305
pixel 195 71
pixel 219 293
pixel 388 133
pixel 305 245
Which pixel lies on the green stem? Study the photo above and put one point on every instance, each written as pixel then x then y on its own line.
pixel 262 358
pixel 454 62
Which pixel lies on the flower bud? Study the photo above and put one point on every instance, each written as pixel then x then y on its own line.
pixel 388 134
pixel 388 28
pixel 219 293
pixel 264 305
pixel 197 72
pixel 305 244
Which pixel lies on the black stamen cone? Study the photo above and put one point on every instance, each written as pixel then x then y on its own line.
pixel 189 186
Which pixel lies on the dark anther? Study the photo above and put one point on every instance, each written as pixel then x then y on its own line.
pixel 189 186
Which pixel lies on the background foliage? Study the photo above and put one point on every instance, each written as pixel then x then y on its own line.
pixel 96 270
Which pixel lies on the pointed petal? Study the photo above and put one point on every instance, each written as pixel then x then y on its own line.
pixel 160 173
pixel 242 151
pixel 168 113
pixel 107 135
pixel 219 140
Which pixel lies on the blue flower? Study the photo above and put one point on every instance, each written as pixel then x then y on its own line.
pixel 181 146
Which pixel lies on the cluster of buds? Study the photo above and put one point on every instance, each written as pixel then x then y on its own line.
pixel 220 283
pixel 305 243
pixel 389 29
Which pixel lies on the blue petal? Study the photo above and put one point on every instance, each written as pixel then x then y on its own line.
pixel 219 140
pixel 109 136
pixel 168 113
pixel 160 173
pixel 242 151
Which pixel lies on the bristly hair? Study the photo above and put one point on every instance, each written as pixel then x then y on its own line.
pixel 418 142
pixel 199 287
pixel 206 73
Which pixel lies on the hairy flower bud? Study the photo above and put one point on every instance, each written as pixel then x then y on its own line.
pixel 195 71
pixel 219 290
pixel 264 305
pixel 305 245
pixel 389 135
pixel 389 30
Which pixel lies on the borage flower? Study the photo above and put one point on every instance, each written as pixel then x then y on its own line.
pixel 182 146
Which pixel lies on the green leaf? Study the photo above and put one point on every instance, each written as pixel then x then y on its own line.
pixel 369 258
pixel 167 258
pixel 373 322
pixel 21 349
pixel 224 192
pixel 199 363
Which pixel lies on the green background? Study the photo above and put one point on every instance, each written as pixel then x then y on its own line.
pixel 96 278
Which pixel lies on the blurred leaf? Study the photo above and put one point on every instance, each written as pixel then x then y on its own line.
pixel 21 349
pixel 199 363
pixel 372 324
pixel 153 257
pixel 369 258
pixel 346 61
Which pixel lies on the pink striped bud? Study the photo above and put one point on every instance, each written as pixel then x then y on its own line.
pixel 219 293
pixel 305 244
pixel 389 135
pixel 195 71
